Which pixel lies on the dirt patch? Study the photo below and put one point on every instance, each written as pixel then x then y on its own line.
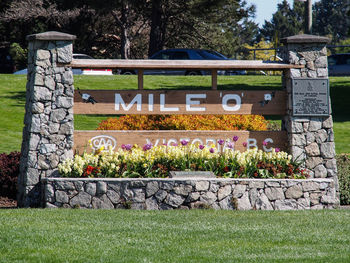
pixel 7 203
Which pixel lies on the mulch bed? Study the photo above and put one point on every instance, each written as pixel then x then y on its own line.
pixel 7 203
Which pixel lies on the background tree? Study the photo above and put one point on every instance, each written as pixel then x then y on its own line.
pixel 332 19
pixel 285 22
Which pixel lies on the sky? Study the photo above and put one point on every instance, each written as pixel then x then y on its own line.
pixel 265 9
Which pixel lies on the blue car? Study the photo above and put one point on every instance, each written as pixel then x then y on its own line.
pixel 339 64
pixel 186 54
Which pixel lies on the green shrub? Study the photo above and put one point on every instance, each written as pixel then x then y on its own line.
pixel 9 170
pixel 343 163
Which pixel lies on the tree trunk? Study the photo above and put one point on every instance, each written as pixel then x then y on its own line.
pixel 124 26
pixel 156 42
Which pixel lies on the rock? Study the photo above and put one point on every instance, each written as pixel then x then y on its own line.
pixel 243 203
pixel 113 196
pixel 101 188
pixel 167 185
pixel 253 196
pixel 287 204
pixel 90 188
pixel 328 150
pixel 327 199
pixel 327 123
pixel 202 186
pixel 160 195
pixel 315 125
pixel 64 185
pixel 151 188
pixel 224 192
pixel 139 195
pixel 226 203
pixel 138 206
pixel 257 184
pixel 81 200
pixel 238 190
pixel 312 149
pixel 174 200
pixel 64 102
pixel 194 196
pixel 310 186
pixel 183 189
pixel 152 204
pixel 303 203
pixel 102 203
pixel 61 197
pixel 298 139
pixel 137 184
pixel 312 162
pixel 208 198
pixel 274 193
pixel 49 193
pixel 214 187
pixel 321 136
pixel 320 171
pixel 294 192
pixel 263 203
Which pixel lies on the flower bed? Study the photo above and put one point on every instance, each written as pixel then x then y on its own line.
pixel 185 122
pixel 151 162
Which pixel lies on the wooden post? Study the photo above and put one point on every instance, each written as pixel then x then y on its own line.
pixel 140 79
pixel 214 79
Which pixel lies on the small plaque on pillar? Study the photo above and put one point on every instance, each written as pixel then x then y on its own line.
pixel 310 97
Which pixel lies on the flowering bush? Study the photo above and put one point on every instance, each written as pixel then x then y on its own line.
pixel 157 161
pixel 185 122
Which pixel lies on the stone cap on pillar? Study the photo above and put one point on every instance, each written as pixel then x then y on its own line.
pixel 51 36
pixel 305 39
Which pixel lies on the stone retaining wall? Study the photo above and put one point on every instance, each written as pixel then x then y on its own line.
pixel 164 194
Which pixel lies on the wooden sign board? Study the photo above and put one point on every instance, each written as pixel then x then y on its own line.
pixel 115 139
pixel 263 102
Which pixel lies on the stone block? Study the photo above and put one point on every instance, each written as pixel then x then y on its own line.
pixel 213 187
pixel 101 188
pixel 61 197
pixel 298 139
pixel 152 204
pixel 257 184
pixel 64 185
pixel 328 123
pixel 321 136
pixel 160 195
pixel 41 94
pixel 90 188
pixel 294 192
pixel 224 192
pixel 113 196
pixel 274 193
pixel 312 162
pixel 315 125
pixel 310 137
pixel 310 186
pixel 102 203
pixel 183 189
pixel 139 195
pixel 263 203
pixel 208 198
pixel 287 204
pixel 174 200
pixel 194 196
pixel 238 190
pixel 202 186
pixel 320 171
pixel 64 102
pixel 243 203
pixel 81 200
pixel 151 188
pixel 328 150
pixel 312 149
pixel 226 203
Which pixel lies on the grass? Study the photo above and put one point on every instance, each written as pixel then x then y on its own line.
pixel 173 236
pixel 12 100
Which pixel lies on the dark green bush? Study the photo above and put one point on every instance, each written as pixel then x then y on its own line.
pixel 343 164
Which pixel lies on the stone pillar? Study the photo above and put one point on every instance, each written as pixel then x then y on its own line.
pixel 311 139
pixel 48 121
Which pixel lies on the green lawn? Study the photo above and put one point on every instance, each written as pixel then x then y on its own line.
pixel 12 100
pixel 36 235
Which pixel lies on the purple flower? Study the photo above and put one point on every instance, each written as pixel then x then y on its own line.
pixel 221 141
pixel 212 150
pixel 128 147
pixel 244 144
pixel 230 145
pixel 265 143
pixel 277 150
pixel 201 146
pixel 235 138
pixel 123 146
pixel 184 142
pixel 175 144
pixel 147 146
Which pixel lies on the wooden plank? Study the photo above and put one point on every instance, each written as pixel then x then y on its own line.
pixel 140 79
pixel 180 64
pixel 275 139
pixel 182 102
pixel 214 79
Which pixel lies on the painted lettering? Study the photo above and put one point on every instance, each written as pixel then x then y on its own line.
pixel 190 101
